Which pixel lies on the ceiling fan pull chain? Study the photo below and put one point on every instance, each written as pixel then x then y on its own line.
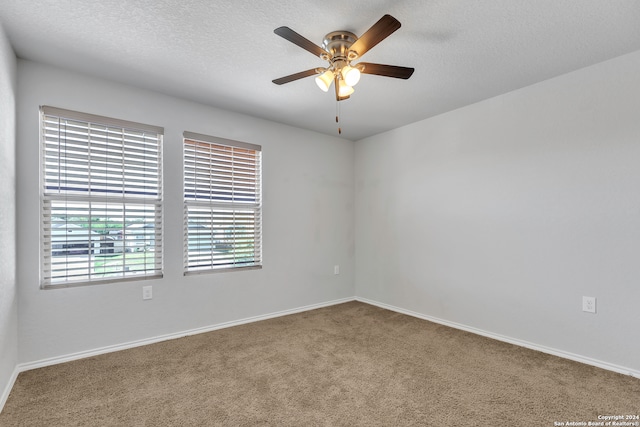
pixel 338 116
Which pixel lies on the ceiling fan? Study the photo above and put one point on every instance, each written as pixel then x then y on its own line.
pixel 339 48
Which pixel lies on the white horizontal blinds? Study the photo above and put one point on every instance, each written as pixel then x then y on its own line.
pixel 222 190
pixel 102 198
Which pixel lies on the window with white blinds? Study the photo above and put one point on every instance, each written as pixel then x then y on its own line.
pixel 222 204
pixel 101 199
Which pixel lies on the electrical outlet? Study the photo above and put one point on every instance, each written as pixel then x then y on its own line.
pixel 589 304
pixel 147 292
pixel 336 269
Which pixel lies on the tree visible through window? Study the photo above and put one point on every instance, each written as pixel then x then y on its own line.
pixel 102 198
pixel 222 195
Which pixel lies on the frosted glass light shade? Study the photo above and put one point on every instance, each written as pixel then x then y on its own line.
pixel 344 89
pixel 324 80
pixel 351 75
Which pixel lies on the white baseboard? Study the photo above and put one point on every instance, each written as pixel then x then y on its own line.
pixel 109 349
pixel 521 343
pixel 5 393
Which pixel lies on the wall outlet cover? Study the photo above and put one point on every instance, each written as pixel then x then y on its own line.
pixel 589 304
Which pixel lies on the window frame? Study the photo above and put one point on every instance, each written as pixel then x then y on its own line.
pixel 148 206
pixel 219 206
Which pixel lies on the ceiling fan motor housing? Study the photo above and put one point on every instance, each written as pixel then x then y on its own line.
pixel 337 43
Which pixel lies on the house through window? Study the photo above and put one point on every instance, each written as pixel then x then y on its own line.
pixel 222 204
pixel 101 199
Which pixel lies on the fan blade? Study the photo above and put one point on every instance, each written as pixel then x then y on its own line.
pixel 387 70
pixel 374 35
pixel 295 38
pixel 296 76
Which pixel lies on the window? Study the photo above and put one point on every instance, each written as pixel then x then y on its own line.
pixel 222 204
pixel 101 199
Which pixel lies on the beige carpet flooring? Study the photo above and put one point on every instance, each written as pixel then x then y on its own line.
pixel 347 365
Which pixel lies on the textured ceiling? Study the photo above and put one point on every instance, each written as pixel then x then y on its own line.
pixel 225 53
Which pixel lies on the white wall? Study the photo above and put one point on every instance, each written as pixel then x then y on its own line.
pixel 8 287
pixel 308 224
pixel 501 215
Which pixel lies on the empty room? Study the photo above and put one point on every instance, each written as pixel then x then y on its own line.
pixel 364 213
